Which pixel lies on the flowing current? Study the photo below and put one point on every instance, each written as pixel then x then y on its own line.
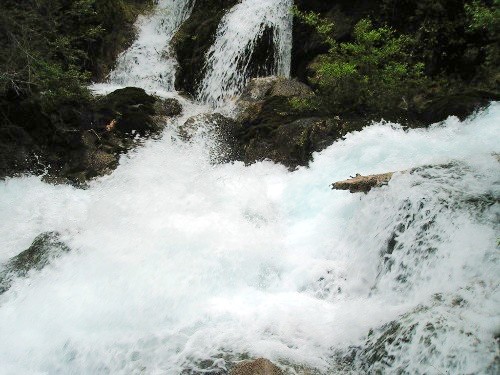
pixel 149 63
pixel 179 266
pixel 238 34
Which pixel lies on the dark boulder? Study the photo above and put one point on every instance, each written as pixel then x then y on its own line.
pixel 44 249
pixel 131 108
pixel 221 131
pixel 80 140
pixel 460 104
pixel 273 128
pixel 169 107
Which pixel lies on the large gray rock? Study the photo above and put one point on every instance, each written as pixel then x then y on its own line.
pixel 258 90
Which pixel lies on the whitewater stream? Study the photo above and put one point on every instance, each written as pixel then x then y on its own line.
pixel 178 265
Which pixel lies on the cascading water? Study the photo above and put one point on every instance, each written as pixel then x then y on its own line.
pixel 178 265
pixel 149 63
pixel 227 66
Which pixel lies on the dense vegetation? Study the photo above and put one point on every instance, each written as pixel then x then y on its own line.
pixel 404 51
pixel 49 52
pixel 52 48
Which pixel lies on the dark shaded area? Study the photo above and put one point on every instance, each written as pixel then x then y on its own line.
pixel 193 40
pixel 84 140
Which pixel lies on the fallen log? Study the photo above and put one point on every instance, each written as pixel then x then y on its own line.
pixel 363 184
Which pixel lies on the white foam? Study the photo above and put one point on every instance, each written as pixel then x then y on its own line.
pixel 175 260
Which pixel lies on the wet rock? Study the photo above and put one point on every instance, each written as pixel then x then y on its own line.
pixel 169 107
pixel 131 108
pixel 290 144
pixel 221 131
pixel 363 184
pixel 81 140
pixel 259 366
pixel 258 90
pixel 45 248
pixel 272 128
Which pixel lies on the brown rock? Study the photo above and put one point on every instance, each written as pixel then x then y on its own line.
pixel 363 184
pixel 259 366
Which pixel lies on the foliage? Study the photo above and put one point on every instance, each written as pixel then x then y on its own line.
pixel 374 72
pixel 485 20
pixel 454 38
pixel 482 17
pixel 51 48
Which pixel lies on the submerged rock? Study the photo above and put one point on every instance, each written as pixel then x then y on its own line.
pixel 259 366
pixel 45 248
pixel 363 184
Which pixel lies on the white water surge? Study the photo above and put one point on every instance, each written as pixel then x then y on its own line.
pixel 176 260
pixel 179 265
pixel 149 63
pixel 237 36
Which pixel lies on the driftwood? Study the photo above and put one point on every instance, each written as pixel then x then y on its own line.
pixel 363 184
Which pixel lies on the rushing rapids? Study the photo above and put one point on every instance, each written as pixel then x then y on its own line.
pixel 177 265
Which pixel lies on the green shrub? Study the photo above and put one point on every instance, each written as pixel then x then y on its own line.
pixel 373 73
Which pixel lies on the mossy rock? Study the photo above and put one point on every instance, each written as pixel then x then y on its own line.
pixel 132 109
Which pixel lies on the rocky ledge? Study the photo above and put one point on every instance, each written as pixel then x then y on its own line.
pixel 82 142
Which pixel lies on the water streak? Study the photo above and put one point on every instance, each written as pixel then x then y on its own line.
pixel 149 63
pixel 227 66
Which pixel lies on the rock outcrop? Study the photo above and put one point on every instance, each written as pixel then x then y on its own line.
pixel 82 142
pixel 273 128
pixel 259 366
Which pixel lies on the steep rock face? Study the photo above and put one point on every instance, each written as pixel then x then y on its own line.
pixel 193 40
pixel 197 34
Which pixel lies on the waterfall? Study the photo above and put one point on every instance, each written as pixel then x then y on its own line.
pixel 179 266
pixel 149 63
pixel 227 66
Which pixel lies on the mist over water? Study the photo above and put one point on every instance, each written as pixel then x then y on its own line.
pixel 176 260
